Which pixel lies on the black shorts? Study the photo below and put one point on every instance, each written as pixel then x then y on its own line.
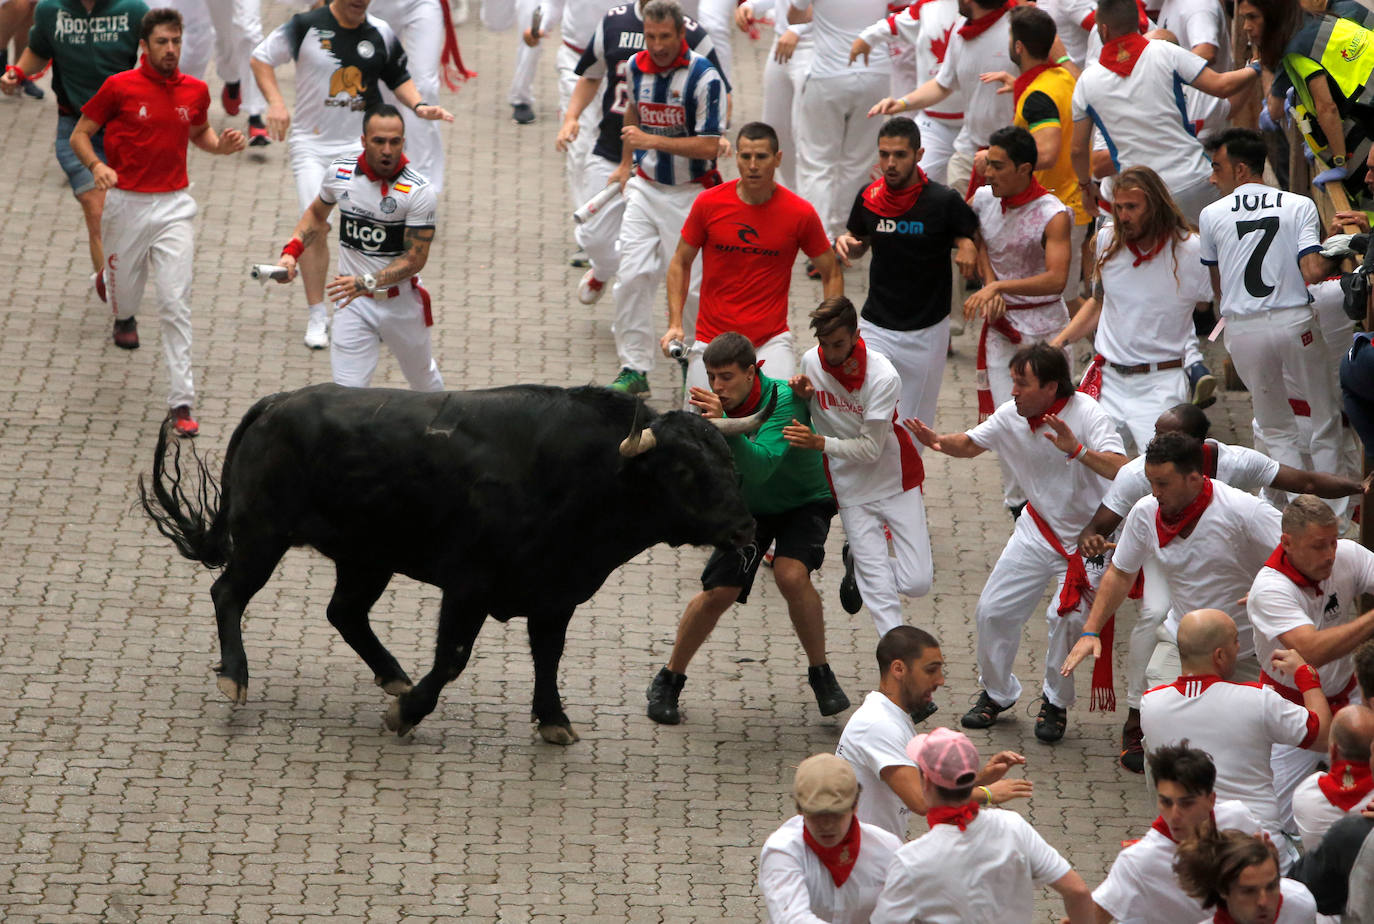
pixel 799 533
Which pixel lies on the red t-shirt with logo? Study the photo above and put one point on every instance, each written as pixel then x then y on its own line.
pixel 148 119
pixel 747 252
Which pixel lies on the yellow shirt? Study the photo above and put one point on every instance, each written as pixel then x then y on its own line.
pixel 1050 97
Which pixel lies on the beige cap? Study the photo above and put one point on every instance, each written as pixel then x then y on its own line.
pixel 825 783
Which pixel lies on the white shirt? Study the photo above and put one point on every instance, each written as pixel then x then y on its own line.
pixel 928 26
pixel 372 226
pixel 981 874
pixel 578 19
pixel 1199 22
pixel 875 737
pixel 1210 115
pixel 1255 237
pixel 1140 888
pixel 764 8
pixel 835 24
pixel 798 889
pixel 1315 813
pixel 1238 724
pixel 1064 493
pixel 1016 239
pixel 1277 605
pixel 1143 117
pixel 1240 467
pixel 1211 567
pixel 870 456
pixel 1298 906
pixel 1147 310
pixel 1068 16
pixel 985 110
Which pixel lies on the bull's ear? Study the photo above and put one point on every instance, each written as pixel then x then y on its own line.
pixel 638 443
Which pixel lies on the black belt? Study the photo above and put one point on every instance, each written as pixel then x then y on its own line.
pixel 1142 368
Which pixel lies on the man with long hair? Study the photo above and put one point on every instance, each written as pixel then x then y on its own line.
pixel 1238 875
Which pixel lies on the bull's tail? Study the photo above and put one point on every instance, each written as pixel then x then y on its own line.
pixel 193 517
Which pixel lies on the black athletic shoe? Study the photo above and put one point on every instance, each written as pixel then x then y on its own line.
pixel 1051 722
pixel 850 598
pixel 663 694
pixel 830 699
pixel 522 113
pixel 984 712
pixel 1133 748
pixel 923 712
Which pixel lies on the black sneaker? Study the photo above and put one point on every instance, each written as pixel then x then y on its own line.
pixel 1051 722
pixel 850 598
pixel 923 712
pixel 1133 748
pixel 522 113
pixel 984 712
pixel 662 695
pixel 830 699
pixel 126 333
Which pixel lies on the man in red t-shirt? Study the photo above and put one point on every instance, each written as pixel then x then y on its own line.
pixel 748 232
pixel 149 114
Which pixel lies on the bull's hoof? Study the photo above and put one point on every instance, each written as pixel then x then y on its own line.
pixel 395 686
pixel 558 734
pixel 394 722
pixel 237 693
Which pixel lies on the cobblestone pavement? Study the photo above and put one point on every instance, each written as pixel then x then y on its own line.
pixel 131 791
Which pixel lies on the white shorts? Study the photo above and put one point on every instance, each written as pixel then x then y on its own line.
pixel 308 165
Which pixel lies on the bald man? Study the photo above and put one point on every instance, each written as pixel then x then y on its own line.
pixel 1323 799
pixel 1240 722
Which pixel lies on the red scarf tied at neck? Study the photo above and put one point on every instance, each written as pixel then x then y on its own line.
pixel 1054 408
pixel 1162 826
pixel 751 403
pixel 839 859
pixel 1145 256
pixel 972 28
pixel 884 201
pixel 1281 563
pixel 1337 793
pixel 1168 528
pixel 366 170
pixel 851 372
pixel 1120 54
pixel 1029 194
pixel 645 61
pixel 959 815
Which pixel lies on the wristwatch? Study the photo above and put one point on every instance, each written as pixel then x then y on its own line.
pixel 1338 161
pixel 369 282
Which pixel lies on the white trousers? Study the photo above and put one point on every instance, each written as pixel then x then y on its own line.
pixel 1193 199
pixel 1266 349
pixel 1154 608
pixel 499 15
pixel 717 17
pixel 419 24
pixel 777 359
pixel 782 86
pixel 958 170
pixel 1134 402
pixel 364 324
pixel 919 357
pixel 153 234
pixel 649 232
pixel 883 578
pixel 229 28
pixel 580 151
pixel 937 137
pixel 599 236
pixel 837 143
pixel 526 58
pixel 1016 584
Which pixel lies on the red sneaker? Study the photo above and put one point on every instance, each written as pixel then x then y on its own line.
pixel 257 133
pixel 230 98
pixel 182 421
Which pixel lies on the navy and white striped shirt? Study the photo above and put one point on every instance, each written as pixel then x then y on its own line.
pixel 685 102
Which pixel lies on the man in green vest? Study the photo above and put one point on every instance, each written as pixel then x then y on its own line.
pixel 786 490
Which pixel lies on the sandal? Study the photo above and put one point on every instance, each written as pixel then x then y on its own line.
pixel 1051 722
pixel 984 712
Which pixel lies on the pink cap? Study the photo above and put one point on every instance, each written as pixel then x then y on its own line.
pixel 946 757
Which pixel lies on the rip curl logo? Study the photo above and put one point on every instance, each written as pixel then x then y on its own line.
pixel 747 233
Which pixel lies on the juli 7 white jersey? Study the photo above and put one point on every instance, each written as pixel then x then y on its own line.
pixel 374 214
pixel 1255 237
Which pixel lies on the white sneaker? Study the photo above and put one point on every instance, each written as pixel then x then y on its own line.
pixel 590 289
pixel 317 329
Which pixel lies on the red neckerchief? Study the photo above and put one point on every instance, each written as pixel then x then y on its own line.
pixel 157 76
pixel 1029 194
pixel 1054 408
pixel 1224 917
pixel 1091 383
pixel 959 815
pixel 1024 81
pixel 645 62
pixel 1120 54
pixel 886 202
pixel 851 372
pixel 1162 826
pixel 1340 796
pixel 839 859
pixel 1145 256
pixel 973 28
pixel 751 403
pixel 1279 562
pixel 366 170
pixel 1168 528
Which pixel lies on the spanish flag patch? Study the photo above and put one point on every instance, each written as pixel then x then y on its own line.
pixel 402 187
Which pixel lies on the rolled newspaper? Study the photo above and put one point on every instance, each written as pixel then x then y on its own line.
pixel 596 203
pixel 265 271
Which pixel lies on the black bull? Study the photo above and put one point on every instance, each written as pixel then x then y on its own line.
pixel 516 501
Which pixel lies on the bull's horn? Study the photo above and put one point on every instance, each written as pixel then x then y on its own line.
pixel 638 443
pixel 737 426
